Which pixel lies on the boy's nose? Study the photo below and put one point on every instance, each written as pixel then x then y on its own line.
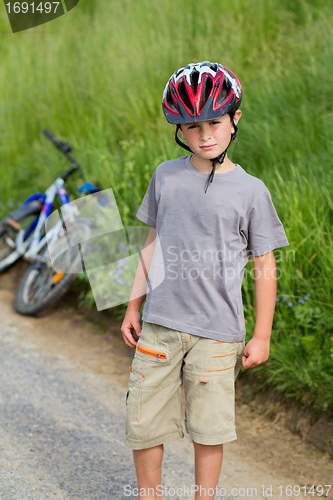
pixel 205 133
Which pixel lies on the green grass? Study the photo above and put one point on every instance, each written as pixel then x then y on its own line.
pixel 95 78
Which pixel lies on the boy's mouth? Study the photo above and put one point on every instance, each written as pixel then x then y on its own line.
pixel 208 148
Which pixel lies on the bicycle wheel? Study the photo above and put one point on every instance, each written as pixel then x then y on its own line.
pixel 16 232
pixel 42 285
pixel 8 235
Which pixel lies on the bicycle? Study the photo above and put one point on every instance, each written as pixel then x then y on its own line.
pixel 53 261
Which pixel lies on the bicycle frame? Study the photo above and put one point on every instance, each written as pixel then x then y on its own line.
pixel 37 243
pixel 29 242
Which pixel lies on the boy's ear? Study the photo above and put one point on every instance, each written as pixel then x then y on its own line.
pixel 237 116
pixel 181 132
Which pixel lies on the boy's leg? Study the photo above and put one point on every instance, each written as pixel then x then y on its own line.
pixel 208 463
pixel 153 403
pixel 209 373
pixel 148 466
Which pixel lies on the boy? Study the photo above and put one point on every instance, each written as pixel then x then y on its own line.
pixel 207 217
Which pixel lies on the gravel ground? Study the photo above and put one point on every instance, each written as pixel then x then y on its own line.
pixel 58 440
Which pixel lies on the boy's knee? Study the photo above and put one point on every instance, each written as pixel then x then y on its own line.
pixel 207 447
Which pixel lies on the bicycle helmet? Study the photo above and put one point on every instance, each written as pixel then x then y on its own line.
pixel 201 92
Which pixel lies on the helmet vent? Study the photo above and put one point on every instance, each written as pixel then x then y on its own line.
pixel 184 95
pixel 224 92
pixel 180 71
pixel 168 99
pixel 195 80
pixel 206 91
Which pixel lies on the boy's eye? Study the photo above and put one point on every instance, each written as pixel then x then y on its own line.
pixel 214 122
pixel 193 126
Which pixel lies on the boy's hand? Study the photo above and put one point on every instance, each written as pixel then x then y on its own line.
pixel 130 327
pixel 256 352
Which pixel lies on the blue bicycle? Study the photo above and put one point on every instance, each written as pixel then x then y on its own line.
pixel 54 262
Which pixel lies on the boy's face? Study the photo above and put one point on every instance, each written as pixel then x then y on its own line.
pixel 209 139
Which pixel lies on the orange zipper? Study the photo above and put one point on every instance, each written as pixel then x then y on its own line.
pixel 151 352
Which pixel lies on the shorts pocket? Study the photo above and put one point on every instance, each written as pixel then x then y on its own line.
pixel 134 396
pixel 151 352
pixel 209 403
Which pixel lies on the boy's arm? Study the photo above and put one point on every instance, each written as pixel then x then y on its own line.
pixel 257 349
pixel 138 293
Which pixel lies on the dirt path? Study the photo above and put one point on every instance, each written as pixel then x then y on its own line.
pixel 264 460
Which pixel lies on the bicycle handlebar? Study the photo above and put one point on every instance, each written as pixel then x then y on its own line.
pixel 65 148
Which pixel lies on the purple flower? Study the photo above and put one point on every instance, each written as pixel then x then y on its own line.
pixel 277 299
pixel 307 296
pixel 290 304
pixel 301 301
pixel 285 298
pixel 297 291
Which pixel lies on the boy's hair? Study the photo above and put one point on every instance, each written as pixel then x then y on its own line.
pixel 201 92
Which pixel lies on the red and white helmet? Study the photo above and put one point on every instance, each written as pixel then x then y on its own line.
pixel 200 92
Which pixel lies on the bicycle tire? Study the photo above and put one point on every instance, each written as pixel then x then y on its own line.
pixel 9 231
pixel 36 290
pixel 7 241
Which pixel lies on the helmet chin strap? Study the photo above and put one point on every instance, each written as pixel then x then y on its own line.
pixel 219 158
pixel 180 143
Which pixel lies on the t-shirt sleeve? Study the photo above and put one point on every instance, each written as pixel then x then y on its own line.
pixel 147 212
pixel 265 230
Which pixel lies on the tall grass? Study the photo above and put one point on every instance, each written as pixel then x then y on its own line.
pixel 95 77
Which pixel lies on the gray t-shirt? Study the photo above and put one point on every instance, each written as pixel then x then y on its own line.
pixel 204 241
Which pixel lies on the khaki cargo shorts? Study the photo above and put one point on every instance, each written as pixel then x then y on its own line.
pixel 165 360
